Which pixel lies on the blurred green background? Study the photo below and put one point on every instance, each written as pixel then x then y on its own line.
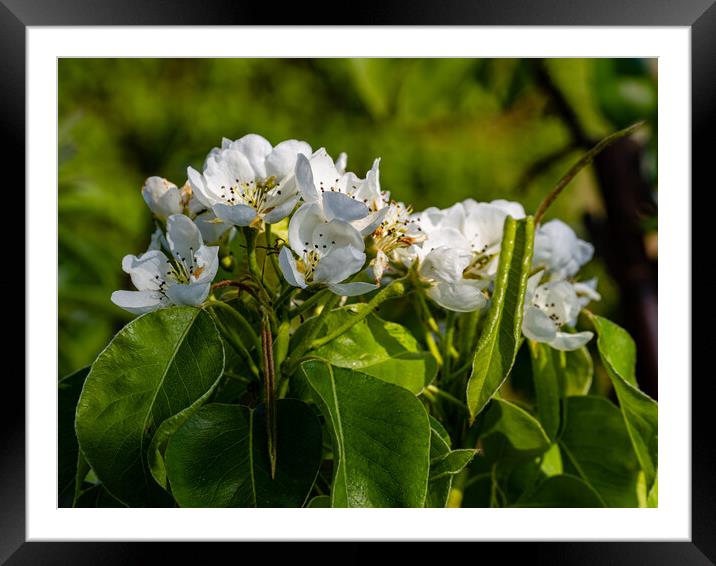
pixel 446 129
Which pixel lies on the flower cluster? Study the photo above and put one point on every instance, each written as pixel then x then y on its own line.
pixel 347 235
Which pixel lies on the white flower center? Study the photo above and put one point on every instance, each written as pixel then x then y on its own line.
pixel 251 193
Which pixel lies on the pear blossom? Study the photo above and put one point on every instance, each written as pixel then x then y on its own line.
pixel 333 194
pixel 458 255
pixel 247 181
pixel 328 253
pixel 549 307
pixel 163 197
pixel 183 278
pixel 558 249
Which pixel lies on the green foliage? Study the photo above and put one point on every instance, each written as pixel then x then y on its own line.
pixel 380 435
pixel 159 367
pixel 220 458
pixel 502 334
pixel 385 350
pixel 618 353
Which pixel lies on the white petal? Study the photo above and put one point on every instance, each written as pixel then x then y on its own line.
pixel 352 289
pixel 235 165
pixel 514 209
pixel 147 270
pixel 537 325
pixel 162 197
pixel 445 264
pixel 339 264
pixel 335 233
pixel 198 187
pixel 343 207
pixel 587 291
pixel 483 227
pixel 325 174
pixel 211 230
pixel 464 296
pixel 238 214
pixel 302 224
pixel 282 160
pixel 532 284
pixel 289 269
pixel 304 178
pixel 341 162
pixel 567 342
pixel 256 148
pixel 367 225
pixel 192 294
pixel 207 264
pixel 138 302
pixel 281 211
pixel 183 236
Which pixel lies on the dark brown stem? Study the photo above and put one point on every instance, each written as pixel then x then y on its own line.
pixel 269 389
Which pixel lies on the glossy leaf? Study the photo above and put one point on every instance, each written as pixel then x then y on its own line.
pixel 373 346
pixel 445 463
pixel 578 370
pixel 68 392
pixel 320 502
pixel 510 433
pixel 562 491
pixel 640 411
pixel 548 380
pixel 219 457
pixel 501 335
pixel 158 367
pixel 596 447
pixel 380 434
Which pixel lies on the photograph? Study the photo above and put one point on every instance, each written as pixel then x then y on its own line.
pixel 357 282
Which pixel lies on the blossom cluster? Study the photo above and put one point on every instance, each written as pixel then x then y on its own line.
pixel 346 234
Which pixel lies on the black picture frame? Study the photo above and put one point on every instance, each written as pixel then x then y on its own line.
pixel 699 15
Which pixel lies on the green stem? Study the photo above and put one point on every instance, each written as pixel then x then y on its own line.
pixel 395 289
pixel 585 160
pixel 272 256
pixel 240 321
pixel 447 345
pixel 235 343
pixel 425 309
pixel 312 301
pixel 448 397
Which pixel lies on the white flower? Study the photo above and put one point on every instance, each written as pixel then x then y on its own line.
pixel 182 279
pixel 460 252
pixel 548 307
pixel 332 194
pixel 247 181
pixel 558 249
pixel 444 268
pixel 328 253
pixel 163 197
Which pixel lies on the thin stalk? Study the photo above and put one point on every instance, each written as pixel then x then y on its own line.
pixel 272 256
pixel 447 343
pixel 433 347
pixel 425 309
pixel 240 321
pixel 269 389
pixel 395 289
pixel 312 301
pixel 585 160
pixel 447 397
pixel 235 343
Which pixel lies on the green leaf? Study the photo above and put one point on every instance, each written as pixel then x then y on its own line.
pixel 68 392
pixel 380 434
pixel 578 371
pixel 219 457
pixel 97 496
pixel 373 346
pixel 641 412
pixel 500 339
pixel 596 447
pixel 510 433
pixel 547 375
pixel 561 491
pixel 444 465
pixel 320 501
pixel 156 368
pixel 652 498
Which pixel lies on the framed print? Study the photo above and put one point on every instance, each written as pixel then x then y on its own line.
pixel 410 266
